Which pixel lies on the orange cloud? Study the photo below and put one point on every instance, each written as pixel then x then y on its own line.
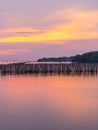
pixel 10 52
pixel 81 25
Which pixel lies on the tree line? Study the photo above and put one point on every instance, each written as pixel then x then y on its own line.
pixel 89 57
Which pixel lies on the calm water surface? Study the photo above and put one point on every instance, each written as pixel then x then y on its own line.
pixel 48 102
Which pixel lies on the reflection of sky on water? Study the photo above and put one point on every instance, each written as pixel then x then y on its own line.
pixel 51 102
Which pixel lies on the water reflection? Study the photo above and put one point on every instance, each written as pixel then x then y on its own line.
pixel 56 102
pixel 92 73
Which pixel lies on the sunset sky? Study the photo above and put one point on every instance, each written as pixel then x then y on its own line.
pixel 31 29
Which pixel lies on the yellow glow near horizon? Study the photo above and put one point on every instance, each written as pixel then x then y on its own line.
pixel 52 35
pixel 82 25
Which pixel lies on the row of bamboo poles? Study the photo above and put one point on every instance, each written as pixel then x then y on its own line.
pixel 48 68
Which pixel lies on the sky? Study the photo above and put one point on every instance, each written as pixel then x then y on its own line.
pixel 32 29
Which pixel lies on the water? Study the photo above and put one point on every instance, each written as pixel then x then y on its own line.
pixel 48 102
